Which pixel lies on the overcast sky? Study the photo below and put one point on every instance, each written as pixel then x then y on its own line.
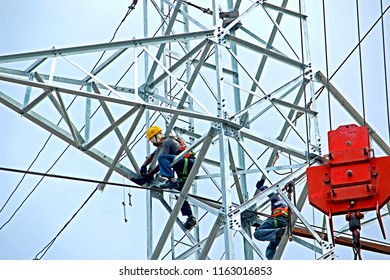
pixel 99 230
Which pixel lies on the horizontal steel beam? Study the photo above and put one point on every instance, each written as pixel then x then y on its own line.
pixel 352 111
pixel 107 46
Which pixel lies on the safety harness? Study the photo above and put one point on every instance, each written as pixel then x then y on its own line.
pixel 190 155
pixel 277 213
pixel 280 211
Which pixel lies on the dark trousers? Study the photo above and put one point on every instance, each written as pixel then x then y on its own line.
pixel 186 208
pixel 268 232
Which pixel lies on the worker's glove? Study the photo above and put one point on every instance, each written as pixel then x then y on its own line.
pixel 143 170
pixel 260 185
pixel 263 188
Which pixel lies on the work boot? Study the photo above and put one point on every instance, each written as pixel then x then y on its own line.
pixel 190 223
pixel 139 180
pixel 170 185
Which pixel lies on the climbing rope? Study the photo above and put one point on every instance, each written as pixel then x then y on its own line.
pixel 289 188
pixel 204 10
pixel 354 226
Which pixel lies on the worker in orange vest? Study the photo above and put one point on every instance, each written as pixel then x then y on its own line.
pixel 273 228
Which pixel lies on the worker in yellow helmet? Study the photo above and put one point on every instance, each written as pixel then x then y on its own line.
pixel 170 147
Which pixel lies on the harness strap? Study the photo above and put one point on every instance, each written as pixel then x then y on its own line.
pixel 280 211
pixel 185 167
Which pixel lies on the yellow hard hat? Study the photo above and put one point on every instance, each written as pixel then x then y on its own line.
pixel 153 130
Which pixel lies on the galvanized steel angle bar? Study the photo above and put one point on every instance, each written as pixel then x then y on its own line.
pixel 286 125
pixel 263 42
pixel 122 147
pixel 300 216
pixel 60 79
pixel 178 63
pixel 78 139
pixel 183 194
pixel 258 251
pixel 260 196
pixel 263 61
pixel 162 45
pixel 199 203
pixel 104 64
pixel 55 102
pixel 189 86
pixel 235 176
pixel 274 143
pixel 185 15
pixel 95 78
pixel 35 64
pixel 293 107
pixel 211 237
pixel 27 93
pixel 117 131
pixel 62 134
pixel 220 32
pixel 176 81
pixel 300 203
pixel 352 112
pixel 114 126
pixel 178 221
pixel 254 161
pixel 306 244
pixel 107 46
pixel 126 102
pixel 288 88
pixel 283 10
pixel 37 100
pixel 258 85
pixel 276 25
pixel 197 247
pixel 266 52
pixel 59 132
pixel 190 148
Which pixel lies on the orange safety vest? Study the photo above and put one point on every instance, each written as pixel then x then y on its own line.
pixel 183 147
pixel 280 211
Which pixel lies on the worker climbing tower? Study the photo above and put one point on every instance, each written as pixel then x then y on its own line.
pixel 236 82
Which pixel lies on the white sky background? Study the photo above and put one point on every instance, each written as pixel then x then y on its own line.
pixel 99 230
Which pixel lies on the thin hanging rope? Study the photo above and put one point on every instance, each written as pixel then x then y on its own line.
pixel 385 70
pixel 360 62
pixel 47 247
pixel 326 63
pixel 318 93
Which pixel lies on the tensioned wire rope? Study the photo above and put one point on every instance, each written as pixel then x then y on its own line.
pixel 360 40
pixel 130 8
pixel 127 13
pixel 385 69
pixel 86 180
pixel 43 174
pixel 46 248
pixel 380 19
